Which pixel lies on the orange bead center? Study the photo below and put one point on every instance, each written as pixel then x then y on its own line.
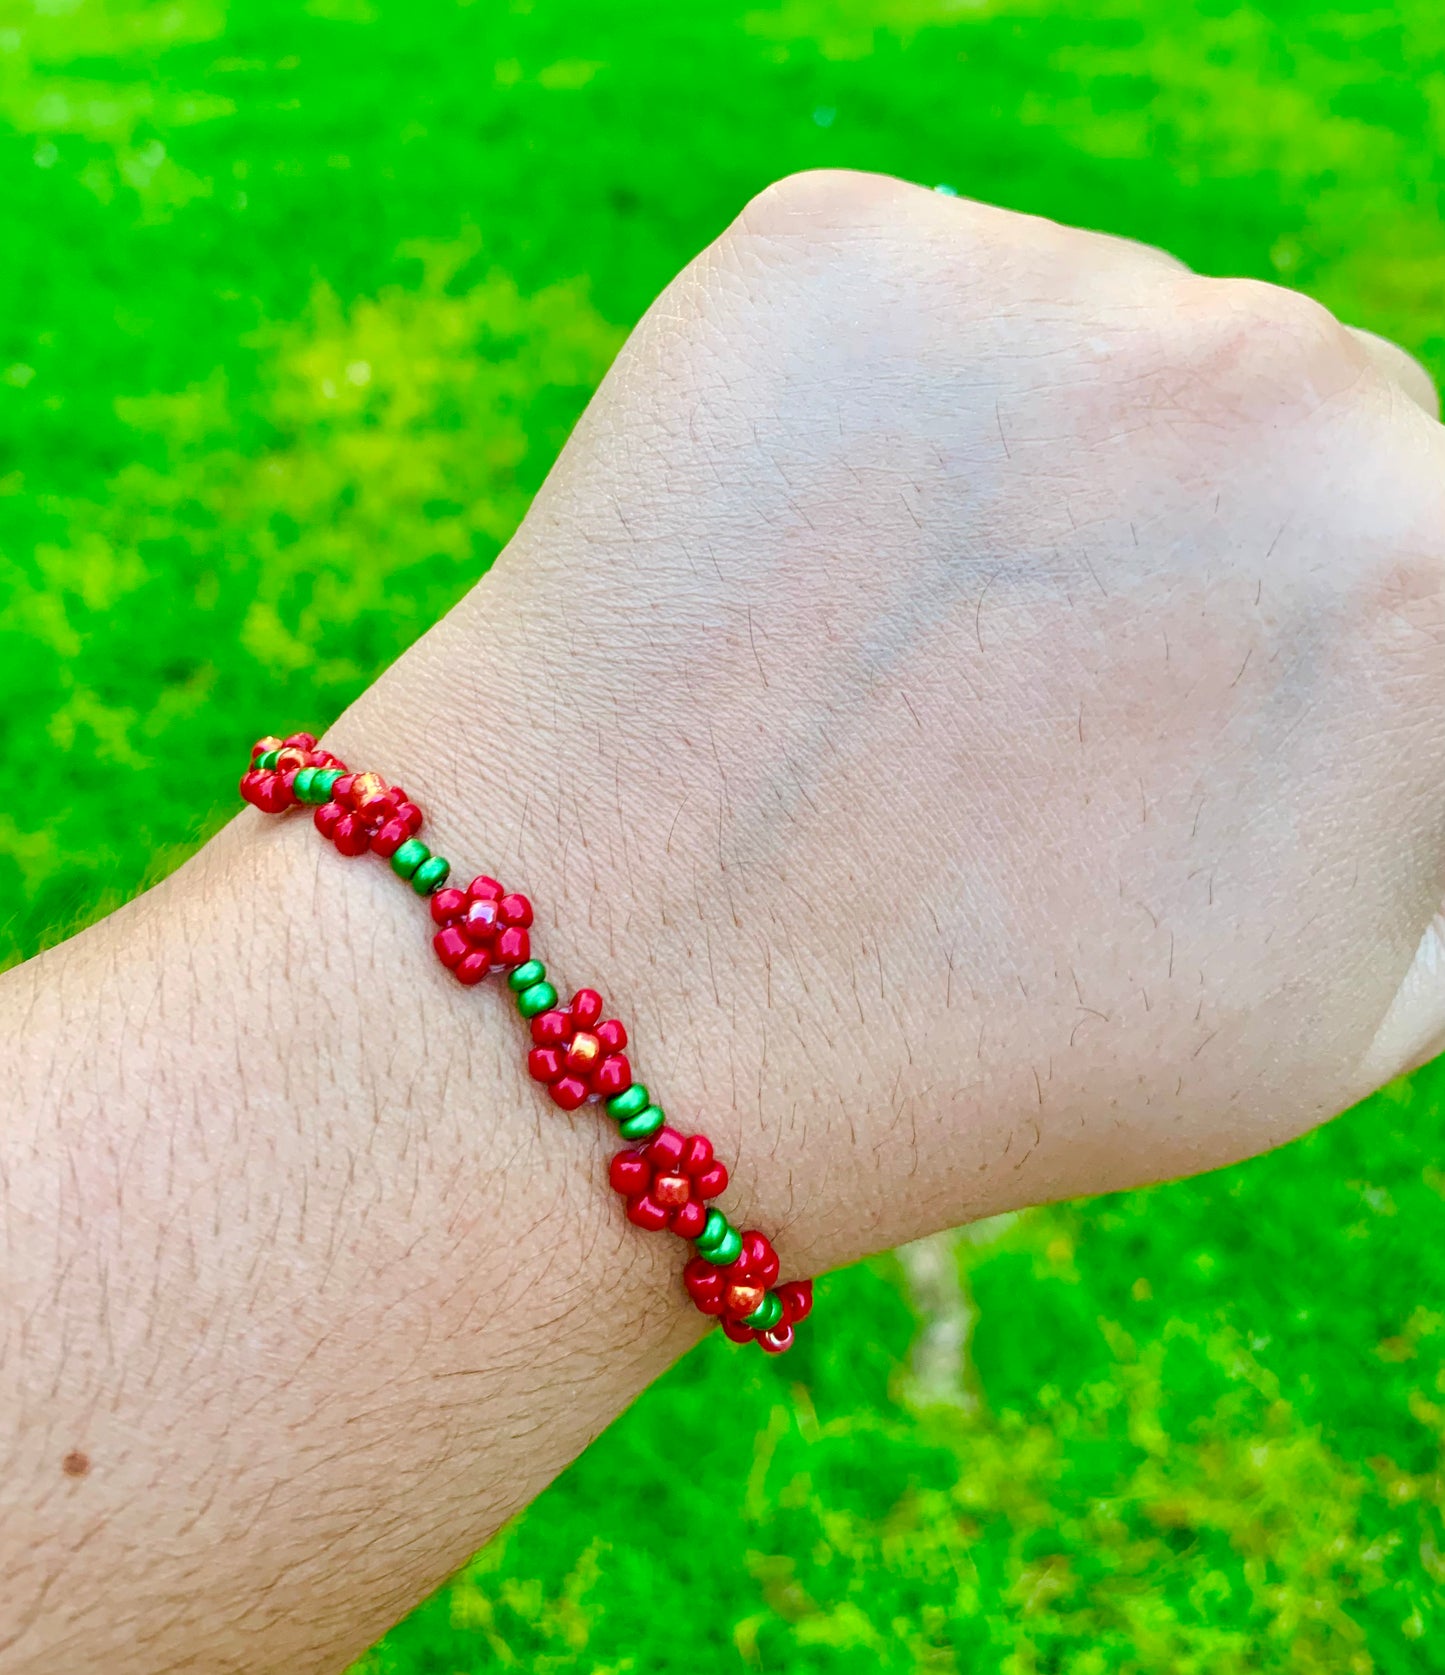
pixel 671 1190
pixel 366 788
pixel 743 1299
pixel 584 1052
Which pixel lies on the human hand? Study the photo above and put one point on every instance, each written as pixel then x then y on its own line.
pixel 973 691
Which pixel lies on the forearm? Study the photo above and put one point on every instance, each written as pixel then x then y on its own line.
pixel 307 1286
pixel 306 1290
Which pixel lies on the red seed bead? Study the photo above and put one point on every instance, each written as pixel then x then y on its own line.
pixel 350 835
pixel 778 1341
pixel 341 790
pixel 690 1220
pixel 451 946
pixel 290 757
pixel 445 904
pixel 796 1296
pixel 628 1173
pixel 480 920
pixel 647 1213
pixel 513 946
pixel 484 889
pixel 325 818
pixel 568 1092
pixel 261 746
pixel 551 1029
pixel 472 968
pixel 614 1076
pixel 665 1149
pixel 705 1285
pixel 586 1008
pixel 711 1182
pixel 544 1064
pixel 409 815
pixel 272 794
pixel 739 1333
pixel 516 910
pixel 759 1257
pixel 389 838
pixel 612 1035
pixel 696 1154
pixel 302 741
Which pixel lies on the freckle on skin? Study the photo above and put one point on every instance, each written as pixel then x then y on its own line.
pixel 76 1463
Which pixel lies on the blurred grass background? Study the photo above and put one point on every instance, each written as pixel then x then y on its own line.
pixel 297 304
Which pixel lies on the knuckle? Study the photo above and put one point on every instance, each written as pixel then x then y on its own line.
pixel 812 243
pixel 823 201
pixel 1276 312
pixel 1245 327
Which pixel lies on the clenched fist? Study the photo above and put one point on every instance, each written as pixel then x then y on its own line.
pixel 983 689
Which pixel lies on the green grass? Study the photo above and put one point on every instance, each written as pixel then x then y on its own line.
pixel 297 304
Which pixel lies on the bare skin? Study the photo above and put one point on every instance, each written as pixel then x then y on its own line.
pixel 970 696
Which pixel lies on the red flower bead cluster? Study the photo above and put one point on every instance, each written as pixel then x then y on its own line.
pixel 734 1292
pixel 668 1179
pixel 668 1182
pixel 481 929
pixel 578 1053
pixel 272 788
pixel 364 812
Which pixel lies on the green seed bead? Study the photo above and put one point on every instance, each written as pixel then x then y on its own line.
pixel 713 1229
pixel 644 1125
pixel 321 784
pixel 541 997
pixel 430 875
pixel 709 1247
pixel 409 857
pixel 526 975
pixel 301 785
pixel 629 1102
pixel 767 1314
pixel 266 761
pixel 728 1249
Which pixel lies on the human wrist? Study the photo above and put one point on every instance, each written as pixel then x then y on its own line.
pixel 522 779
pixel 506 1196
pixel 667 1176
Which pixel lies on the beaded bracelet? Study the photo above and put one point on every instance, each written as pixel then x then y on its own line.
pixel 666 1177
